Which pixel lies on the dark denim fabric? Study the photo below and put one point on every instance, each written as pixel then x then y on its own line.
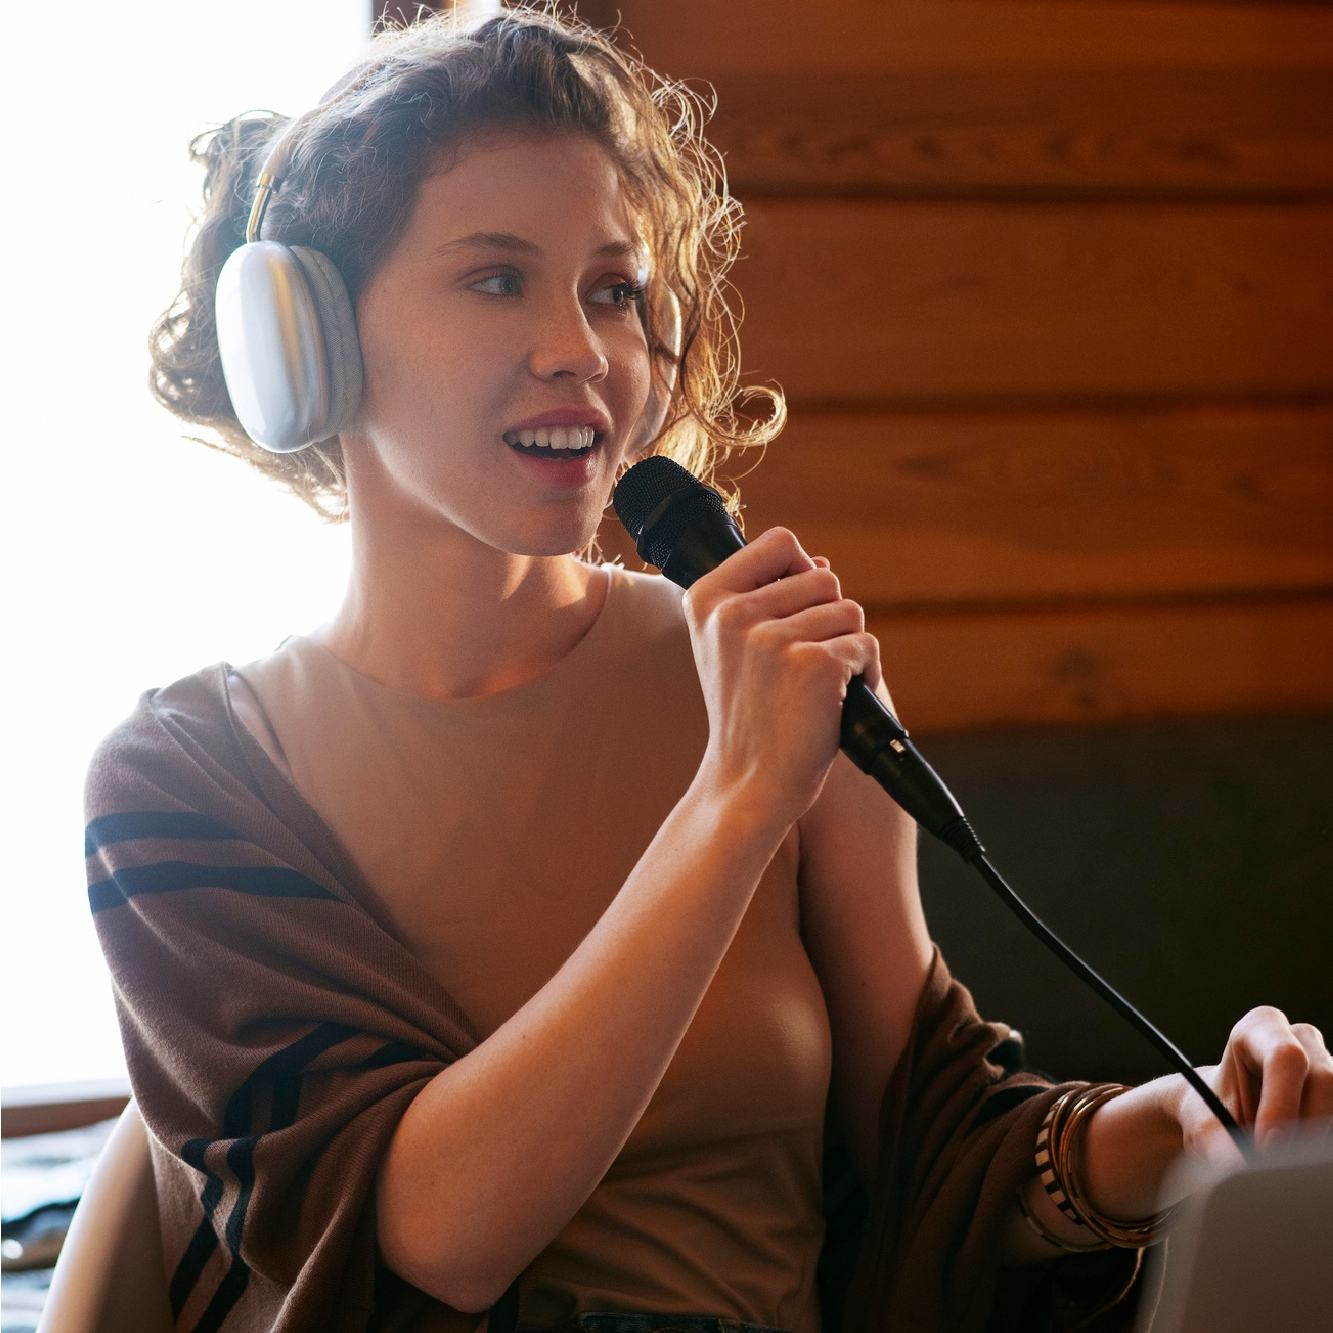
pixel 619 1321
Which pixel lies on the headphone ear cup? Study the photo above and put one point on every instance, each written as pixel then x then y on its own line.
pixel 659 397
pixel 342 347
pixel 287 339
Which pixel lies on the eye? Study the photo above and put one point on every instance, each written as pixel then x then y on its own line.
pixel 497 277
pixel 631 293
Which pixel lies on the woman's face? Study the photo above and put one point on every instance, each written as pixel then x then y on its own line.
pixel 462 341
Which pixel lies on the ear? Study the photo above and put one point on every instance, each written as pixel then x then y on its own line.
pixel 659 395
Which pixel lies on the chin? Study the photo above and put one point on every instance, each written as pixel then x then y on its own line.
pixel 571 543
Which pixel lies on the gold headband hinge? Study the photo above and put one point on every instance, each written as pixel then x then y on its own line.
pixel 262 192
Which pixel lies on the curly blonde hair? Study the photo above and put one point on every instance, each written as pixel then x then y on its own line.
pixel 351 181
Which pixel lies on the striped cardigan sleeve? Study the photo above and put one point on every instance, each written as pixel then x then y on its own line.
pixel 275 1031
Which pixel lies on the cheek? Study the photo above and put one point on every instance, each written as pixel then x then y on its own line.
pixel 408 378
pixel 400 347
pixel 633 362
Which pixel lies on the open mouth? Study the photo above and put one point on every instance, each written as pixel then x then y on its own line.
pixel 553 454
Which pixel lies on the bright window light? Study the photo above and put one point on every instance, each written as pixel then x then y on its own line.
pixel 135 556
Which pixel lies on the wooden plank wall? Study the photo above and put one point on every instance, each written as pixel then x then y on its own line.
pixel 1049 287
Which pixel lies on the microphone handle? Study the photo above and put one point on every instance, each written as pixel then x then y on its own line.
pixel 877 743
pixel 698 548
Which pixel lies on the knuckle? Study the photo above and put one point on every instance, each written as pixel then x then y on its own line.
pixel 1292 1055
pixel 826 582
pixel 1261 1016
pixel 1308 1032
pixel 729 612
pixel 807 659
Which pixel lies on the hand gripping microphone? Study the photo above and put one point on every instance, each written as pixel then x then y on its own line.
pixel 682 526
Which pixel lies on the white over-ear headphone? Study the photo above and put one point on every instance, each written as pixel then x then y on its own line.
pixel 287 331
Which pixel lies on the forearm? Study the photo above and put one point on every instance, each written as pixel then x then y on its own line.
pixel 1125 1150
pixel 502 1148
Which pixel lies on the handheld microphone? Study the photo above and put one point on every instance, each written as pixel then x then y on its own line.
pixel 682 526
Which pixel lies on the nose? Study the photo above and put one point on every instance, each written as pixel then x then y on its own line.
pixel 566 344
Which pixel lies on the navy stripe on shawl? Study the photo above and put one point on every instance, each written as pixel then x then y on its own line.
pixel 131 824
pixel 174 876
pixel 287 1069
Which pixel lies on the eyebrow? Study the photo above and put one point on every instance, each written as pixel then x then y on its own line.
pixel 505 240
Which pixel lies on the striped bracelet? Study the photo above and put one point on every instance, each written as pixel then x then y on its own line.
pixel 1050 1126
pixel 1039 1228
pixel 1057 1167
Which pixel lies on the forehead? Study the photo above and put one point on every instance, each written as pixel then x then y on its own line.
pixel 556 190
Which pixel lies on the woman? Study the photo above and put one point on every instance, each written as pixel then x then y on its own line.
pixel 489 948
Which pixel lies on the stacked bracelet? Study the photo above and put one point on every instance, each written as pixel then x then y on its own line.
pixel 1048 1133
pixel 1057 1165
pixel 1046 1234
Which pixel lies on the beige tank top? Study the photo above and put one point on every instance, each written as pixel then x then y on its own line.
pixel 495 831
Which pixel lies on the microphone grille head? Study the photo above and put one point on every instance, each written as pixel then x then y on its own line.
pixel 644 486
pixel 641 503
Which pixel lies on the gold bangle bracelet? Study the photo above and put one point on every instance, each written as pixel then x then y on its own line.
pixel 1064 1163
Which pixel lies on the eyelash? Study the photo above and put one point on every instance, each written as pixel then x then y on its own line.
pixel 634 292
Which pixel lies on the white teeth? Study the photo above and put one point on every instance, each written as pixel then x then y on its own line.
pixel 556 437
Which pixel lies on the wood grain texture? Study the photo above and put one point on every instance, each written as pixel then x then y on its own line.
pixel 1083 661
pixel 1073 569
pixel 851 299
pixel 796 40
pixel 1049 288
pixel 1061 667
pixel 946 507
pixel 1024 133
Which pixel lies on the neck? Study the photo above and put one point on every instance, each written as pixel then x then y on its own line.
pixel 432 610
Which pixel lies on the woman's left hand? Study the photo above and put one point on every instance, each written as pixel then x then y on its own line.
pixel 1272 1072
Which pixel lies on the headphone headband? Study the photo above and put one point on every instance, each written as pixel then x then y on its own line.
pixel 275 162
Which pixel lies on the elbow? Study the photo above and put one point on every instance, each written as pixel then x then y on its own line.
pixel 474 1299
pixel 415 1247
pixel 444 1279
